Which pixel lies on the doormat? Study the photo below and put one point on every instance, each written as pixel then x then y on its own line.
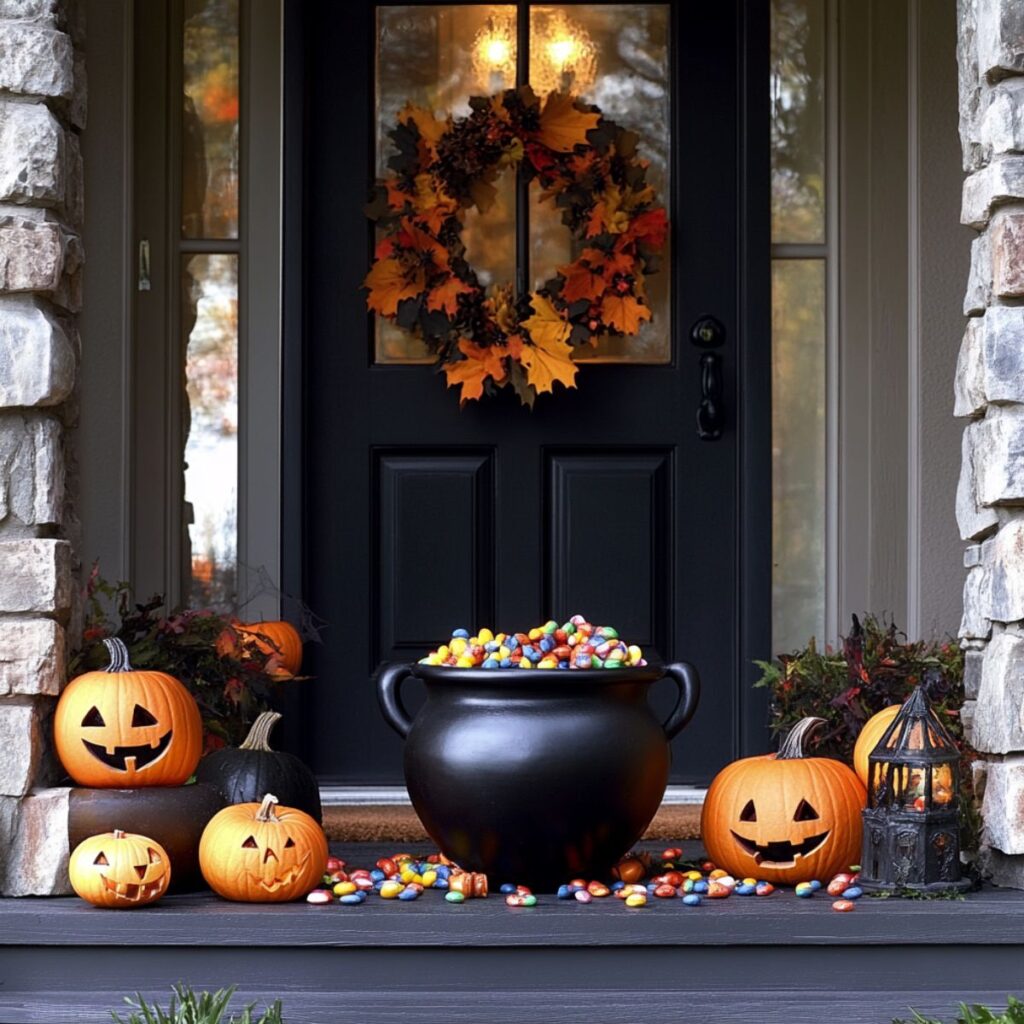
pixel 384 824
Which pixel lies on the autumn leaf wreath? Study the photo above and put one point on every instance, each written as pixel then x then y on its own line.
pixel 420 279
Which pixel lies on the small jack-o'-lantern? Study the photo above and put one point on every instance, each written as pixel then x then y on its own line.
pixel 784 817
pixel 262 853
pixel 120 870
pixel 279 640
pixel 122 728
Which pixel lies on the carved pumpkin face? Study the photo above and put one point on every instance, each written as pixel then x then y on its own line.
pixel 119 870
pixel 784 818
pixel 279 640
pixel 121 728
pixel 262 853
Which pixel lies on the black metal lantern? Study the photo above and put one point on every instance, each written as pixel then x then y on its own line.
pixel 912 820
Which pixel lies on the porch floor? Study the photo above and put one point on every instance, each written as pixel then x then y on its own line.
pixel 742 959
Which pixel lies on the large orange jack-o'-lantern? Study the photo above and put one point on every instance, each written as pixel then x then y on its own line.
pixel 784 817
pixel 262 853
pixel 122 728
pixel 120 870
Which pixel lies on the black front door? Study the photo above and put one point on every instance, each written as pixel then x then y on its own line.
pixel 416 517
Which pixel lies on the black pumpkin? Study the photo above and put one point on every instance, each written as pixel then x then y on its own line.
pixel 244 774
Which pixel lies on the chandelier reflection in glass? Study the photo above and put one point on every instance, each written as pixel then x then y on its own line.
pixel 563 56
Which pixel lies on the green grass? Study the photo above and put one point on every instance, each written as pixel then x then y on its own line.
pixel 1013 1014
pixel 186 1007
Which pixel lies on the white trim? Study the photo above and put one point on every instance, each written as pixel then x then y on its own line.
pixel 397 796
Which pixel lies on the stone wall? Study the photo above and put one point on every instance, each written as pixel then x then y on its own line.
pixel 42 111
pixel 989 394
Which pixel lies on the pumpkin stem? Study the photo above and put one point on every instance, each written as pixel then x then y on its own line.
pixel 259 734
pixel 118 655
pixel 266 811
pixel 119 833
pixel 793 745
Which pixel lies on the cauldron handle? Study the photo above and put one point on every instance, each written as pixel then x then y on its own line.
pixel 389 681
pixel 684 675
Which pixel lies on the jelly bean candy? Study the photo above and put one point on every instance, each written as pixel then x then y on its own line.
pixel 700 886
pixel 836 886
pixel 529 900
pixel 582 896
pixel 506 887
pixel 804 889
pixel 717 891
pixel 692 900
pixel 843 906
pixel 344 888
pixel 764 889
pixel 598 889
pixel 454 897
pixel 636 899
pixel 319 896
pixel 564 892
pixel 853 893
pixel 389 890
pixel 352 898
pixel 745 890
pixel 814 884
pixel 409 894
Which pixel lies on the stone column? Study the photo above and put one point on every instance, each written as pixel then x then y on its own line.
pixel 42 110
pixel 989 394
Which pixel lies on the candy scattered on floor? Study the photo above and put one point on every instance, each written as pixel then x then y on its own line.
pixel 576 644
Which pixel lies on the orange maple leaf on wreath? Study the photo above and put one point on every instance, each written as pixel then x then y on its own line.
pixel 547 362
pixel 389 283
pixel 609 263
pixel 581 282
pixel 413 237
pixel 562 126
pixel 650 227
pixel 623 313
pixel 547 326
pixel 429 127
pixel 481 362
pixel 445 296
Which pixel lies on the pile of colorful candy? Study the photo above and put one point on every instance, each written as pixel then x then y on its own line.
pixel 403 877
pixel 576 644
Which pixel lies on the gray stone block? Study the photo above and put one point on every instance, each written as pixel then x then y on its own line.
pixel 38 861
pixel 974 520
pixel 974 625
pixel 35 576
pixel 37 363
pixel 1002 181
pixel 1002 809
pixel 46 11
pixel 969 379
pixel 1008 255
pixel 999 457
pixel 36 60
pixel 1002 126
pixel 999 716
pixel 970 85
pixel 31 255
pixel 968 711
pixel 973 662
pixel 979 279
pixel 1003 359
pixel 1000 38
pixel 21 747
pixel 33 155
pixel 1002 869
pixel 1003 590
pixel 31 468
pixel 32 657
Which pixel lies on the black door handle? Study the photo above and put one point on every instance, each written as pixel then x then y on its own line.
pixel 710 414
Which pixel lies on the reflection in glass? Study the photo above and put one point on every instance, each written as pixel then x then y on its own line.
pixel 210 332
pixel 425 57
pixel 798 120
pixel 209 138
pixel 632 87
pixel 798 452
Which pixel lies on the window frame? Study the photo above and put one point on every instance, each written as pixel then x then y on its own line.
pixel 158 559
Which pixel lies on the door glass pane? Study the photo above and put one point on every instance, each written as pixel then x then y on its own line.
pixel 798 120
pixel 210 332
pixel 209 133
pixel 437 56
pixel 615 56
pixel 798 451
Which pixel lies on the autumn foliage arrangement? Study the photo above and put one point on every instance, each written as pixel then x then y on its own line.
pixel 586 165
pixel 232 682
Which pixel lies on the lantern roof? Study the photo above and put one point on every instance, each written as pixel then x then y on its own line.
pixel 915 736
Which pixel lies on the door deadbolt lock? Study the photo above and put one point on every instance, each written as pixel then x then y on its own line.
pixel 707 332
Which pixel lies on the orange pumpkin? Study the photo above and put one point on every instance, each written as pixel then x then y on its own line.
pixel 871 732
pixel 121 728
pixel 278 639
pixel 262 853
pixel 120 870
pixel 784 817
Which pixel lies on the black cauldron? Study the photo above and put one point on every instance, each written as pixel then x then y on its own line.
pixel 541 776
